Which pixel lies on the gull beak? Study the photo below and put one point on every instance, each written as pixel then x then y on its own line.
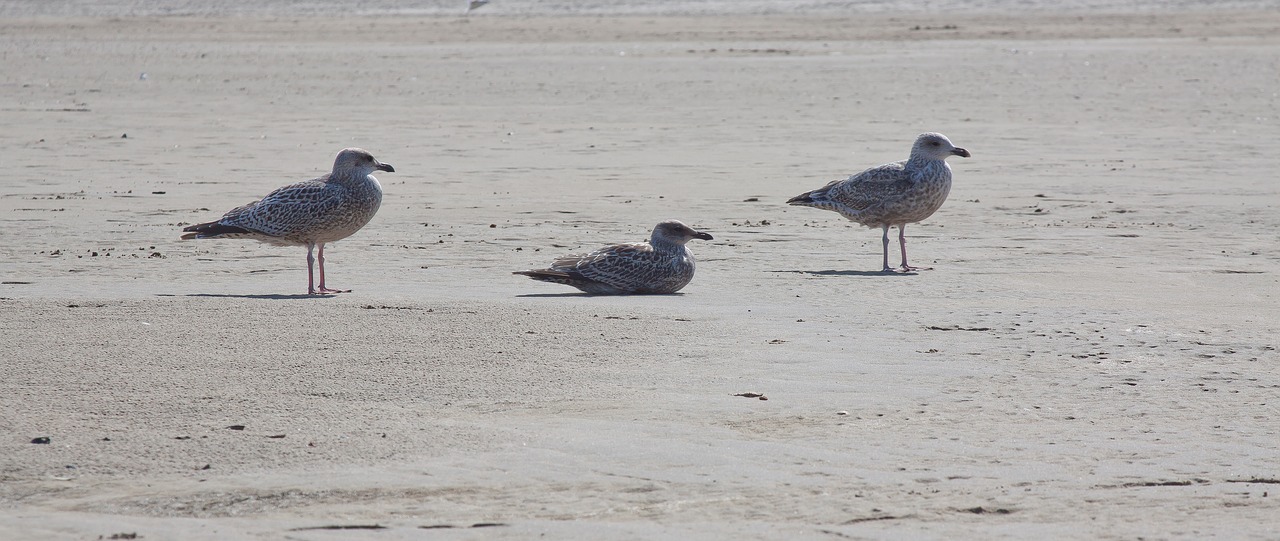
pixel 960 152
pixel 701 235
pixel 387 167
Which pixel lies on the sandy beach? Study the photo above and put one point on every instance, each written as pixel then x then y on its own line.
pixel 1093 355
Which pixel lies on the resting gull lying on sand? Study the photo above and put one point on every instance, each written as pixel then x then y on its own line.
pixel 662 265
pixel 895 193
pixel 310 213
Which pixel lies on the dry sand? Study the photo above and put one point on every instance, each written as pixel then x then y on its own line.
pixel 1093 357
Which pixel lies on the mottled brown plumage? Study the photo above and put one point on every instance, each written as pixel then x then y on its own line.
pixel 896 193
pixel 310 213
pixel 662 265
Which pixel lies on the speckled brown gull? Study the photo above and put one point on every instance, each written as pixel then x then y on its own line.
pixel 310 213
pixel 662 265
pixel 897 193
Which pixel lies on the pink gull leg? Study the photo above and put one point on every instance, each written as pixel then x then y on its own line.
pixel 311 260
pixel 902 241
pixel 885 248
pixel 324 289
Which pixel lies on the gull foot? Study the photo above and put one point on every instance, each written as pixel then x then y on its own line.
pixel 907 268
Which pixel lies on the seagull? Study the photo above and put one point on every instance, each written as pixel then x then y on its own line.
pixel 310 213
pixel 662 265
pixel 896 193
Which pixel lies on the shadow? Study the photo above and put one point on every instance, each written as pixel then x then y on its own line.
pixel 553 295
pixel 584 294
pixel 848 273
pixel 274 297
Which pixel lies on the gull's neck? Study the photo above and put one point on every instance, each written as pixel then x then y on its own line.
pixel 349 176
pixel 928 167
pixel 663 244
pixel 917 161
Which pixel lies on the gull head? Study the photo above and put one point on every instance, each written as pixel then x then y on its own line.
pixel 674 231
pixel 359 162
pixel 935 146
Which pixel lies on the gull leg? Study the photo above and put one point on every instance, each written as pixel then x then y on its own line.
pixel 311 260
pixel 885 248
pixel 322 288
pixel 902 241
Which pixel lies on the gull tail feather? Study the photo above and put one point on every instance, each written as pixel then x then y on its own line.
pixel 816 198
pixel 211 230
pixel 548 275
pixel 808 198
pixel 820 197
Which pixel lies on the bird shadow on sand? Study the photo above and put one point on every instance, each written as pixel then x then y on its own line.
pixel 580 294
pixel 273 297
pixel 849 273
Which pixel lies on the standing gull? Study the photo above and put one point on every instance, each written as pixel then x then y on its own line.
pixel 662 265
pixel 895 193
pixel 310 213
